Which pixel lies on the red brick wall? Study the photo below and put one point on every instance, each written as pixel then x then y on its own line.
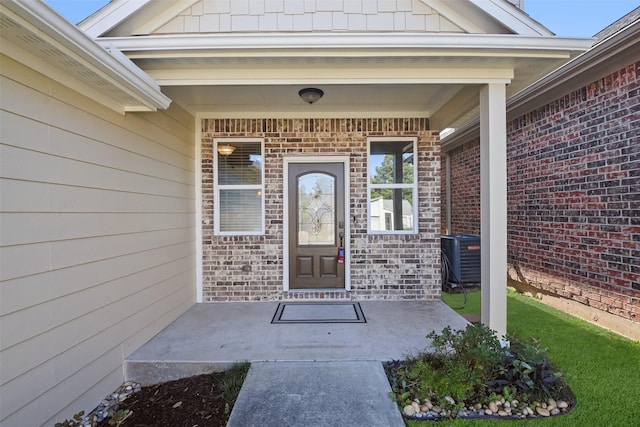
pixel 574 194
pixel 382 266
pixel 465 189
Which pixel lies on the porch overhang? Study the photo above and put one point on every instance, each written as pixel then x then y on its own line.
pixel 363 74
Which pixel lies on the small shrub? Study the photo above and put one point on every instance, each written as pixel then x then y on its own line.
pixel 459 366
pixel 118 417
pixel 401 380
pixel 476 348
pixel 471 366
pixel 76 421
pixel 449 379
pixel 529 371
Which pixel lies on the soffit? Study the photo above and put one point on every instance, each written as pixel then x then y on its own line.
pixel 359 100
pixel 34 35
pixel 377 86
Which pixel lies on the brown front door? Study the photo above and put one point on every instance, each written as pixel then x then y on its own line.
pixel 316 225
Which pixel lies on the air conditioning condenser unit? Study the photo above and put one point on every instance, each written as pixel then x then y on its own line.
pixel 461 258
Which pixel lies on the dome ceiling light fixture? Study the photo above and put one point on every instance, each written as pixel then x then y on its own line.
pixel 226 150
pixel 311 95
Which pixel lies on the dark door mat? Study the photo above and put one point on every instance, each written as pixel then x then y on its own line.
pixel 319 312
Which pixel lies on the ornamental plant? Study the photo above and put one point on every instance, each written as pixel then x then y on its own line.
pixel 470 366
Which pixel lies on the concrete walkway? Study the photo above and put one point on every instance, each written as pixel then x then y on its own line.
pixel 319 394
pixel 326 374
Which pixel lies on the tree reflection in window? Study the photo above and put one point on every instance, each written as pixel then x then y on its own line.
pixel 391 186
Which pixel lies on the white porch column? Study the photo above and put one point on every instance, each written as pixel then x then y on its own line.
pixel 493 206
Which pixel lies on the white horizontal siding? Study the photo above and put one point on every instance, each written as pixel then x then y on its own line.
pixel 32 414
pixel 24 325
pixel 60 170
pixel 42 138
pixel 47 197
pixel 25 228
pixel 57 116
pixel 30 260
pixel 62 366
pixel 210 16
pixel 37 381
pixel 97 250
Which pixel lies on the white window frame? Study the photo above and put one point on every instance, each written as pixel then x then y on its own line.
pixel 217 187
pixel 413 186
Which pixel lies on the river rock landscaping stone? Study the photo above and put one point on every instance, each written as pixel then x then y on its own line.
pixel 543 412
pixel 409 410
pixel 470 374
pixel 495 409
pixel 110 403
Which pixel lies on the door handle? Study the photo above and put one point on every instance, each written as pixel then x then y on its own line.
pixel 340 224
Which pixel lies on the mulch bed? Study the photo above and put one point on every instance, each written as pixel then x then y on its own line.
pixel 188 402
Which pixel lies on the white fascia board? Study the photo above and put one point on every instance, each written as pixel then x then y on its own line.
pixel 124 60
pixel 41 20
pixel 313 114
pixel 446 9
pixel 332 75
pixel 339 44
pixel 175 8
pixel 512 17
pixel 109 16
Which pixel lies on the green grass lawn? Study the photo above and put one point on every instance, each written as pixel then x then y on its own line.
pixel 455 301
pixel 602 368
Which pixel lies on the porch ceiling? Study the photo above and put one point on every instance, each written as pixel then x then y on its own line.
pixel 355 100
pixel 362 74
pixel 442 88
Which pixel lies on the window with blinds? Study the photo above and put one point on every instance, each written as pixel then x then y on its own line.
pixel 239 186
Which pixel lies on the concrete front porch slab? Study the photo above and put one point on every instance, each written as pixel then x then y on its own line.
pixel 211 337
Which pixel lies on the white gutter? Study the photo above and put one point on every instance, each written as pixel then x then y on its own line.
pixel 460 136
pixel 122 75
pixel 308 43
